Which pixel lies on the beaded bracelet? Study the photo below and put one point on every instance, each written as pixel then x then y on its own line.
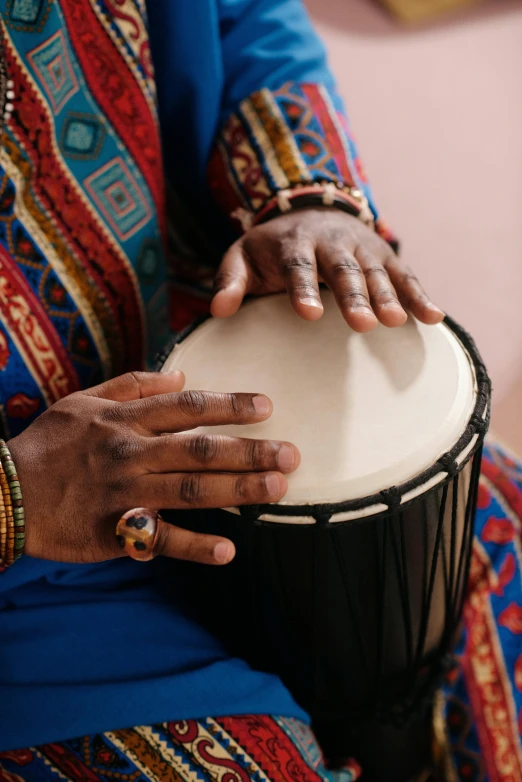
pixel 348 199
pixel 12 518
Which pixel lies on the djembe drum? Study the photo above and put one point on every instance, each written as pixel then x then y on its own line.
pixel 351 588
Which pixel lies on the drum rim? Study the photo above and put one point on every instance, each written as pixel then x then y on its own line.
pixel 391 499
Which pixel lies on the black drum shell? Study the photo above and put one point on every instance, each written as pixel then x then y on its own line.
pixel 355 616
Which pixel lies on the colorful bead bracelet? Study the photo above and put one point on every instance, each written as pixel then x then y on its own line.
pixel 12 518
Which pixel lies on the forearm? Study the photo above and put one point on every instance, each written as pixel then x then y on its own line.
pixel 284 125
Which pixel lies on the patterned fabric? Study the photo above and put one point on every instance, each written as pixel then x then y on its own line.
pixel 82 272
pixel 83 297
pixel 481 709
pixel 483 699
pixel 228 749
pixel 83 292
pixel 280 139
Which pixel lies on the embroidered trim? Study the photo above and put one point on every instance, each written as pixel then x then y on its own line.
pixel 284 144
pixel 248 748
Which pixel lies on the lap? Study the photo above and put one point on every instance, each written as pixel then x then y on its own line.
pixel 479 721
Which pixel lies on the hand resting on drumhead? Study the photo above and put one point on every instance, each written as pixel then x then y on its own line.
pixel 128 443
pixel 294 252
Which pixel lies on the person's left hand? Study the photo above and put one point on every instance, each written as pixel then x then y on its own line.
pixel 295 251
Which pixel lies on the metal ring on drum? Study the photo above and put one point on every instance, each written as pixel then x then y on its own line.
pixel 350 589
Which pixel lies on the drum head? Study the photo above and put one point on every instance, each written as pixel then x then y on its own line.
pixel 367 411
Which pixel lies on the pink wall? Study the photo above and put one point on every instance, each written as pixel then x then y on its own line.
pixel 438 115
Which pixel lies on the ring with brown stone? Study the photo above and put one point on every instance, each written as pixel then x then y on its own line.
pixel 137 531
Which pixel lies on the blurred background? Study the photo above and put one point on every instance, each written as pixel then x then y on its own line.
pixel 435 100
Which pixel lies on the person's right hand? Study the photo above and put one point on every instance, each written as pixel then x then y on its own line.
pixel 127 443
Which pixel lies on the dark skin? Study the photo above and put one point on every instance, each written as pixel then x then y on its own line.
pixel 130 442
pixel 296 251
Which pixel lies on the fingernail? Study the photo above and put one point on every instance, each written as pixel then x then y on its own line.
pixel 175 374
pixel 261 405
pixel 286 458
pixel 312 303
pixel 273 486
pixel 434 308
pixel 223 552
pixel 366 312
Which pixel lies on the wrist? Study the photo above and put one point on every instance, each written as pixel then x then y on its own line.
pixel 281 142
pixel 318 194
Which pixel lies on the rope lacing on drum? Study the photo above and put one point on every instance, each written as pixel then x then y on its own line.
pixel 391 497
pixel 448 464
pixel 322 515
pixel 477 423
pixel 250 512
pixel 401 710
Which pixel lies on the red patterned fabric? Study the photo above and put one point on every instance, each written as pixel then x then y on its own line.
pixel 483 708
pixel 283 139
pixel 121 100
pixel 83 289
pixel 229 749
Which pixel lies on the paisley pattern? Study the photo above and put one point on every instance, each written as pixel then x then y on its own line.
pixel 226 749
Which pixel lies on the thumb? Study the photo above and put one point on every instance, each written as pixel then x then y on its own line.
pixel 138 385
pixel 231 283
pixel 180 543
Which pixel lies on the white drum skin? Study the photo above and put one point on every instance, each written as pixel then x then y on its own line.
pixel 367 411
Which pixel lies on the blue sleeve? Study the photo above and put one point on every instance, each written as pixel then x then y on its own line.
pixel 267 43
pixel 282 122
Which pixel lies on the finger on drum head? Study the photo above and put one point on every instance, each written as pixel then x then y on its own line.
pixel 218 453
pixel 300 275
pixel 179 543
pixel 412 294
pixel 343 275
pixel 383 296
pixel 231 283
pixel 190 409
pixel 209 490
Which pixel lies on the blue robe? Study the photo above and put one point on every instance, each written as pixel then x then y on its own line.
pixel 87 648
